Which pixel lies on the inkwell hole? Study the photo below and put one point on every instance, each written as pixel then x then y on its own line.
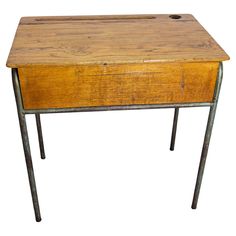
pixel 175 17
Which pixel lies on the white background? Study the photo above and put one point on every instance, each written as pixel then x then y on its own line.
pixel 111 173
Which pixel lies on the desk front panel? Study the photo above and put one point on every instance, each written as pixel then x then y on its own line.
pixel 45 87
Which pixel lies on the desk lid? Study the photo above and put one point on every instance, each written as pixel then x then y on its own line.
pixel 75 40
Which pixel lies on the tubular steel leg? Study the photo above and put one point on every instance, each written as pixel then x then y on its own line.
pixel 174 129
pixel 26 146
pixel 40 136
pixel 207 138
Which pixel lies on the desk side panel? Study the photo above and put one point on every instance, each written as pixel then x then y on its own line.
pixel 122 84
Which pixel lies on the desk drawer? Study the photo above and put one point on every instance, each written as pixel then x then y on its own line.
pixel 122 84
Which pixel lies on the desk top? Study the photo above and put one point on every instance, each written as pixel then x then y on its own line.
pixel 76 40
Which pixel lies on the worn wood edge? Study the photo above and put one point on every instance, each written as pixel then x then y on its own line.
pixel 10 65
pixel 227 57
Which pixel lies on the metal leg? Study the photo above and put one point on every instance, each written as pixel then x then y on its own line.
pixel 174 129
pixel 207 138
pixel 40 135
pixel 26 146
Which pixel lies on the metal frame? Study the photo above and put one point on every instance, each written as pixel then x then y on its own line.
pixel 174 129
pixel 207 137
pixel 26 146
pixel 40 135
pixel 23 127
pixel 114 108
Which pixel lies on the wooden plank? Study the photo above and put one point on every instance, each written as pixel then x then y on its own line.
pixel 121 84
pixel 79 40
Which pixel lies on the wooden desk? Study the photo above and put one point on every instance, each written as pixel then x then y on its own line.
pixel 92 63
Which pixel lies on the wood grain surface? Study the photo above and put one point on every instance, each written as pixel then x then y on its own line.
pixel 79 40
pixel 118 84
